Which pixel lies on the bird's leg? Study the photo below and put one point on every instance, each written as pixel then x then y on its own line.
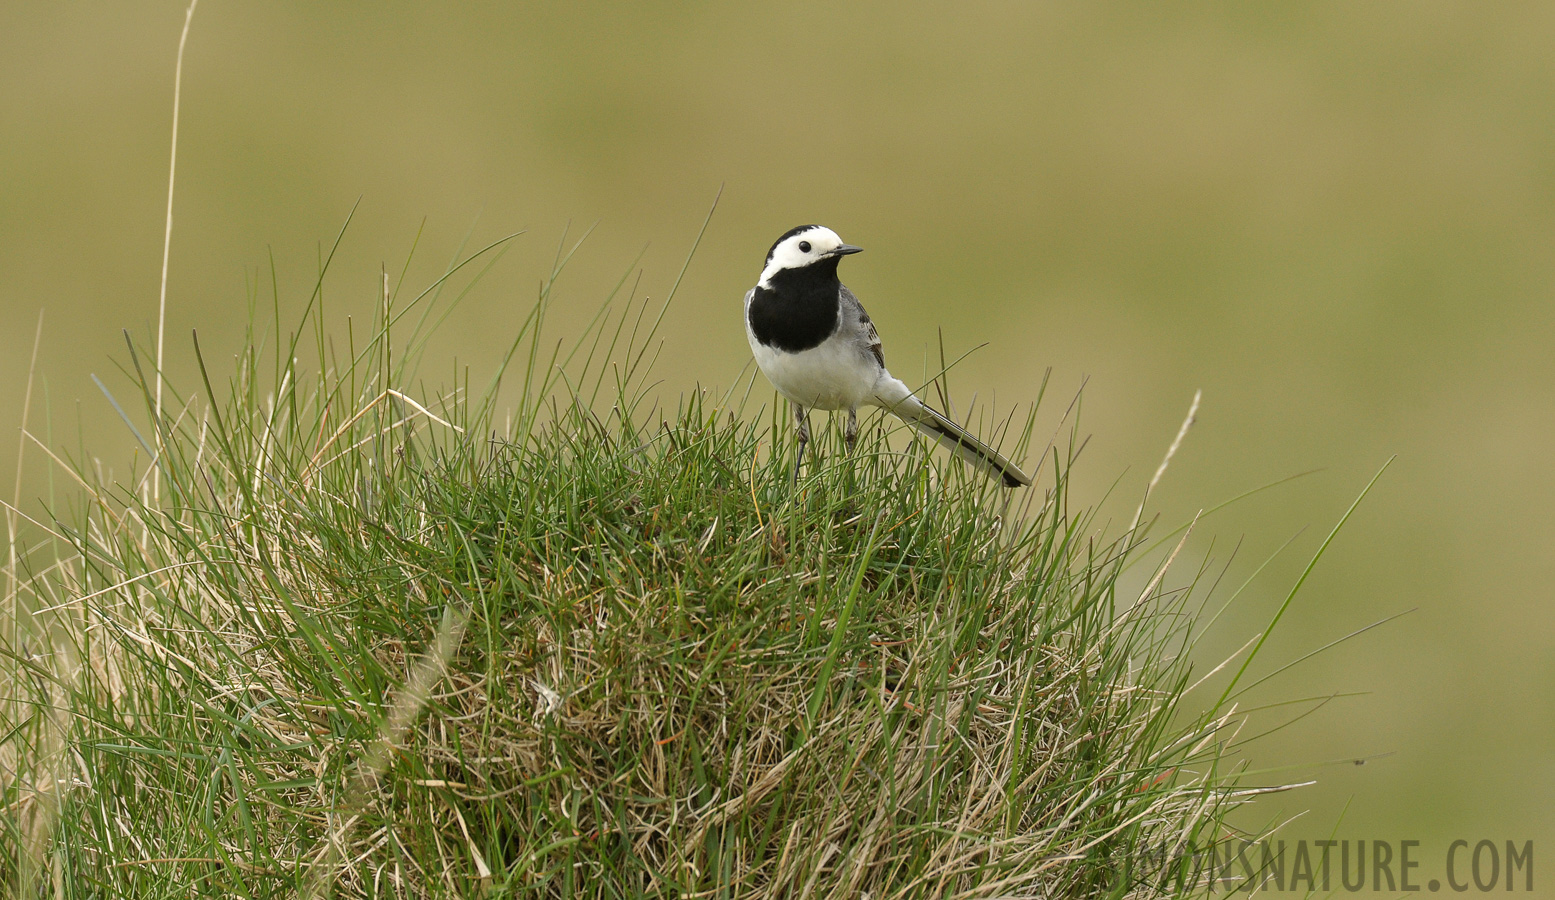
pixel 804 437
pixel 851 433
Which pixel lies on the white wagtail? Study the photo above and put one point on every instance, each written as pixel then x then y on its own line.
pixel 814 342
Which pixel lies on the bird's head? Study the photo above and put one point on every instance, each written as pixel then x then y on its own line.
pixel 805 247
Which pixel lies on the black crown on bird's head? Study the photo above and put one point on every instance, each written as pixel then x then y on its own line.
pixel 805 246
pixel 797 229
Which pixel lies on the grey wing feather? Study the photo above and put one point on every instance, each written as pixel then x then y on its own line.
pixel 856 320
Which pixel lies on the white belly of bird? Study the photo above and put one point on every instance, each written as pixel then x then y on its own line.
pixel 833 375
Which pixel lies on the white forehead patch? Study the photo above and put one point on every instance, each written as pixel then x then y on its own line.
pixel 800 249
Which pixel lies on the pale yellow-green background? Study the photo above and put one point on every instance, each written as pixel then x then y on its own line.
pixel 1336 219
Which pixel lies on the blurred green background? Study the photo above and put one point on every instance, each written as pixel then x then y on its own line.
pixel 1336 219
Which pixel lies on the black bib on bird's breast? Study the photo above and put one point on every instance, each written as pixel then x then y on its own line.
pixel 800 308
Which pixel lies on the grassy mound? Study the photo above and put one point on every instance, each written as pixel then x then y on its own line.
pixel 334 639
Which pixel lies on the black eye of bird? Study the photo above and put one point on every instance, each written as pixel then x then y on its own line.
pixel 804 246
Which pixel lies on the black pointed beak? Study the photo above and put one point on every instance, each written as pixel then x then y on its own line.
pixel 845 249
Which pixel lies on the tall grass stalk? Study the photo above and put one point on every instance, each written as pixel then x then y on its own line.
pixel 167 237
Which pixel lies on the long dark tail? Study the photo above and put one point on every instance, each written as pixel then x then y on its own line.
pixel 895 397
